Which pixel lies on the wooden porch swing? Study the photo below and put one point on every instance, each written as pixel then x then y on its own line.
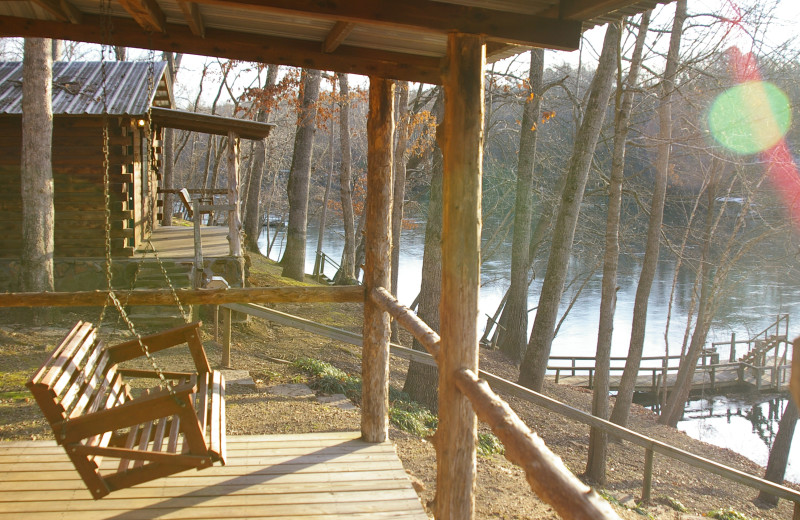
pixel 81 390
pixel 94 415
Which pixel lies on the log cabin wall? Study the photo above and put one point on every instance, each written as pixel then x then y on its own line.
pixel 78 156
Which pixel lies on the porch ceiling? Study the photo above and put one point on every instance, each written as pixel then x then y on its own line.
pixel 400 39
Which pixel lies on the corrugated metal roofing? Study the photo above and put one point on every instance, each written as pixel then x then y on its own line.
pixel 130 87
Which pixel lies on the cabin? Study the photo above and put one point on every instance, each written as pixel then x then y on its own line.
pixel 445 42
pixel 133 102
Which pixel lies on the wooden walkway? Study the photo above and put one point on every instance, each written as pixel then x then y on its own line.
pixel 177 242
pixel 724 378
pixel 323 476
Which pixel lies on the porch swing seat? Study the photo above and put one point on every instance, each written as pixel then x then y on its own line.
pixel 94 415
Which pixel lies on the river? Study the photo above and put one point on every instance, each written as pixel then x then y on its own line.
pixel 752 303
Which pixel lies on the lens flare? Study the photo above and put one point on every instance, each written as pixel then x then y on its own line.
pixel 751 117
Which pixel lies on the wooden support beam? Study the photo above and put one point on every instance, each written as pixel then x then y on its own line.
pixel 429 15
pixel 191 12
pixel 339 32
pixel 63 10
pixel 235 215
pixel 377 262
pixel 462 145
pixel 147 14
pixel 189 296
pixel 232 45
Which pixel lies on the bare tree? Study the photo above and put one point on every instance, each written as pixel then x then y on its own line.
pixel 779 454
pixel 512 337
pixel 173 64
pixel 598 440
pixel 534 364
pixel 37 169
pixel 650 262
pixel 252 219
pixel 399 188
pixel 294 258
pixel 422 380
pixel 347 271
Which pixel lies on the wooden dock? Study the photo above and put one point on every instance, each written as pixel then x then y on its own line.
pixel 724 378
pixel 308 476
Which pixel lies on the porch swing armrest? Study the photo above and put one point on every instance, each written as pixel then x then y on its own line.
pixel 158 404
pixel 189 333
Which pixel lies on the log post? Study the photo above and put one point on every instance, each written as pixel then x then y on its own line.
pixel 375 356
pixel 198 246
pixel 226 337
pixel 461 144
pixel 647 483
pixel 234 215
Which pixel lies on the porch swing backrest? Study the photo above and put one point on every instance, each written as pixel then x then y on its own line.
pixel 83 395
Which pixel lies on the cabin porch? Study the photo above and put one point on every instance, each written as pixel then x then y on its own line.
pixel 309 476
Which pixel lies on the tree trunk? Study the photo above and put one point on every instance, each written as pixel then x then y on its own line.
pixel 650 262
pixel 511 338
pixel 167 181
pixel 399 185
pixel 294 258
pixel 36 169
pixel 319 260
pixel 421 379
pixel 779 454
pixel 673 411
pixel 252 215
pixel 535 361
pixel 598 439
pixel 347 267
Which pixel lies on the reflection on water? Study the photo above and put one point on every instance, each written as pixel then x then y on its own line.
pixel 744 426
pixel 752 302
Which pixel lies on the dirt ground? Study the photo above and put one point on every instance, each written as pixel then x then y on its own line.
pixel 264 349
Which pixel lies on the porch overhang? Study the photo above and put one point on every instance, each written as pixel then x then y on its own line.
pixel 404 40
pixel 209 124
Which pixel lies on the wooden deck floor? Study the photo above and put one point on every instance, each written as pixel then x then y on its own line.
pixel 321 476
pixel 177 242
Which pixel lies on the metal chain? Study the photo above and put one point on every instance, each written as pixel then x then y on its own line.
pixel 112 297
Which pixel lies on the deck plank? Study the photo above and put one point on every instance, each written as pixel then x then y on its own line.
pixel 308 476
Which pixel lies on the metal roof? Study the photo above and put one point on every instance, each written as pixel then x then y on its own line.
pixel 93 87
pixel 400 39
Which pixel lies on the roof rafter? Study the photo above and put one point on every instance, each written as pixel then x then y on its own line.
pixel 147 14
pixel 337 35
pixel 191 12
pixel 439 17
pixel 62 10
pixel 233 45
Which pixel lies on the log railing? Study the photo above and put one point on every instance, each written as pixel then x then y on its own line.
pixel 547 475
pixel 541 466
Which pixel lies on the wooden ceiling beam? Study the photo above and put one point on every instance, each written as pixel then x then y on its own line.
pixel 337 35
pixel 232 45
pixel 147 14
pixel 429 15
pixel 62 10
pixel 191 12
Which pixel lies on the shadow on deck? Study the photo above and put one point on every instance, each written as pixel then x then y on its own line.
pixel 308 476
